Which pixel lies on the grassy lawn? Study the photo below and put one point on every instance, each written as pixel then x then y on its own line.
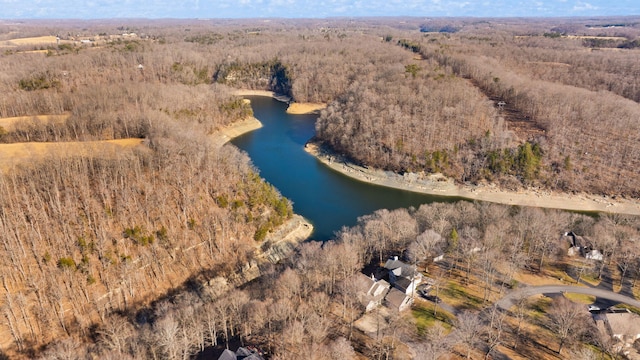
pixel 559 271
pixel 590 279
pixel 546 278
pixel 539 307
pixel 461 296
pixel 580 298
pixel 536 340
pixel 423 314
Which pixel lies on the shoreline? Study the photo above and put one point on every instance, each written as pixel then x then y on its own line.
pixel 297 229
pixel 234 130
pixel 295 108
pixel 305 108
pixel 283 240
pixel 267 93
pixel 439 185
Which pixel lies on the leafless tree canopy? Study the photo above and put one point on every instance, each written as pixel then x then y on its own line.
pixel 116 255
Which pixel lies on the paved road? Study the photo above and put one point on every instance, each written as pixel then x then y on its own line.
pixel 509 300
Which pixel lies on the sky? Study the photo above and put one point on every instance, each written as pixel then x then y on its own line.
pixel 101 9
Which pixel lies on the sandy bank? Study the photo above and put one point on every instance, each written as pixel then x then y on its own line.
pixel 305 108
pixel 439 185
pixel 245 92
pixel 294 107
pixel 234 130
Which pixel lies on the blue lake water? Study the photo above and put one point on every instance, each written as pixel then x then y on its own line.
pixel 325 197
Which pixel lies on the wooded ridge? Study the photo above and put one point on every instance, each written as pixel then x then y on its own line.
pixel 126 255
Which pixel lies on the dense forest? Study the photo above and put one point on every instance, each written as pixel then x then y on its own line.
pixel 566 119
pixel 306 307
pixel 87 236
pixel 137 255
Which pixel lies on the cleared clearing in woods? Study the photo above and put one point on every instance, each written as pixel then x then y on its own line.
pixel 9 123
pixel 14 154
pixel 33 40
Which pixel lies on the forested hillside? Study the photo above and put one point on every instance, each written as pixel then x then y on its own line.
pixel 89 235
pixel 567 119
pixel 308 306
pixel 115 254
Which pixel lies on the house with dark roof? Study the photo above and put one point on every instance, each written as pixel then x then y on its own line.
pixel 241 354
pixel 403 277
pixel 582 246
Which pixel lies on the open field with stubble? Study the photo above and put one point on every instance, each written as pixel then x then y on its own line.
pixel 12 155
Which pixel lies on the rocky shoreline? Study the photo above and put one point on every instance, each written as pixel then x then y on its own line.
pixel 437 184
pixel 278 244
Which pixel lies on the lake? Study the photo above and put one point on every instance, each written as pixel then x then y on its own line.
pixel 328 199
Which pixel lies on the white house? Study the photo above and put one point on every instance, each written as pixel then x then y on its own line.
pixel 397 300
pixel 403 277
pixel 369 291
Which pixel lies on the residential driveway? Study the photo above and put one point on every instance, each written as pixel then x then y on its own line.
pixel 448 308
pixel 441 305
pixel 509 300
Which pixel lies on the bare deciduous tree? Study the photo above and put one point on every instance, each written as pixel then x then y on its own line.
pixel 469 329
pixel 567 320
